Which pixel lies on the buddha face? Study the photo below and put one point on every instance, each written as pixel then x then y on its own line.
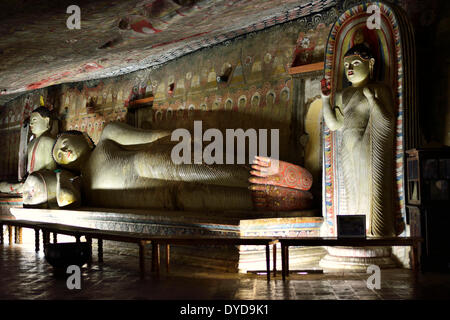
pixel 69 148
pixel 270 99
pixel 284 95
pixel 39 124
pixel 228 105
pixel 255 101
pixel 357 69
pixel 242 103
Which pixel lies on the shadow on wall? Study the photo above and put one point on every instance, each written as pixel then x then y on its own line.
pixel 313 155
pixel 221 120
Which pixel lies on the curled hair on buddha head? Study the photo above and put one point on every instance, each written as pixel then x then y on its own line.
pixel 44 112
pixel 76 133
pixel 361 50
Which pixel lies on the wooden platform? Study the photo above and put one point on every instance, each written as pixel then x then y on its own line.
pixel 141 239
pixel 241 258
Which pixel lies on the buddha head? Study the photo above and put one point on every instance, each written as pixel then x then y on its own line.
pixel 359 63
pixel 228 104
pixel 285 95
pixel 255 101
pixel 242 102
pixel 72 148
pixel 270 99
pixel 40 121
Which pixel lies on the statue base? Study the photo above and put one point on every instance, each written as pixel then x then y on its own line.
pixel 356 259
pixel 8 201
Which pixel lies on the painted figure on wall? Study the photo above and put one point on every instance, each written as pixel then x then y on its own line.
pixel 132 168
pixel 365 115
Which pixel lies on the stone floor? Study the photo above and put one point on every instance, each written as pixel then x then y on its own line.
pixel 26 275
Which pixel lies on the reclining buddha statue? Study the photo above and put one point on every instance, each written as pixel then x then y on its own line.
pixel 132 168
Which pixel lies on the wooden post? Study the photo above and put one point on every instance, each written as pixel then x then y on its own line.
pixel 167 257
pixel 155 257
pixel 77 239
pixel 1 234
pixel 45 238
pixel 55 237
pixel 158 259
pixel 10 235
pixel 283 263
pixel 415 258
pixel 20 235
pixel 268 262
pixel 16 235
pixel 142 258
pixel 287 260
pixel 36 239
pixel 100 249
pixel 89 241
pixel 274 252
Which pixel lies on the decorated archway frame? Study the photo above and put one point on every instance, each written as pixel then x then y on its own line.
pixel 390 56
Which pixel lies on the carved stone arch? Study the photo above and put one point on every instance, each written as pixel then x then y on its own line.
pixel 394 47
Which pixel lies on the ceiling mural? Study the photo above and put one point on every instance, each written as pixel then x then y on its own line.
pixel 117 37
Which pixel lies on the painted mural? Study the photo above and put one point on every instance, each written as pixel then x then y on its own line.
pixel 128 36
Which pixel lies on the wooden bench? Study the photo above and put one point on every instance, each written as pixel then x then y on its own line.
pixel 77 232
pixel 414 242
pixel 140 239
pixel 18 225
pixel 167 241
pixel 129 237
pixel 156 241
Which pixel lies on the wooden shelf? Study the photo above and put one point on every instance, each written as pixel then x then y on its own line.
pixel 141 101
pixel 307 68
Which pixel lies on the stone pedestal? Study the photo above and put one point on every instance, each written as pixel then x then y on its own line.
pixel 356 259
pixel 7 202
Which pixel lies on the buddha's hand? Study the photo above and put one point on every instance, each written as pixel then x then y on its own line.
pixel 12 188
pixel 326 87
pixel 67 189
pixel 268 171
pixel 274 198
pixel 4 187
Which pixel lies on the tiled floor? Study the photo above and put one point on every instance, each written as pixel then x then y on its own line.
pixel 26 275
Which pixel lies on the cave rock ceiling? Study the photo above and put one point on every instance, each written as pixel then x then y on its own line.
pixel 37 49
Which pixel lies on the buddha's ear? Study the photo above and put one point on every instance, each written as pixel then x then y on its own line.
pixel 371 64
pixel 47 121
